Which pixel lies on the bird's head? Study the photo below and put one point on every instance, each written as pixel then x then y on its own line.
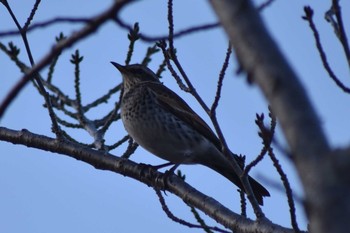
pixel 135 74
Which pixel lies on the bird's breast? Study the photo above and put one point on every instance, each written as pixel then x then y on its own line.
pixel 158 130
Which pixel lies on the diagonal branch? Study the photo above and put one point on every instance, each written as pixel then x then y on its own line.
pixel 150 177
pixel 338 26
pixel 75 37
pixel 261 58
pixel 309 17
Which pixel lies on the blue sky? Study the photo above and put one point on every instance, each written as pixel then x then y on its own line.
pixel 44 192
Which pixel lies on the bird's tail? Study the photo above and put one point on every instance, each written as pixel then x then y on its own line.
pixel 223 168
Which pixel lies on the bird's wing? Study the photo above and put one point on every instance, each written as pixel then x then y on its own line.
pixel 173 103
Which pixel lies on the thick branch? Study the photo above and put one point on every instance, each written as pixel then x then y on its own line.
pixel 326 190
pixel 150 177
pixel 263 61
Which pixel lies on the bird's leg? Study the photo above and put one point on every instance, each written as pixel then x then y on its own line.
pixel 148 166
pixel 163 179
pixel 168 173
pixel 172 169
pixel 162 165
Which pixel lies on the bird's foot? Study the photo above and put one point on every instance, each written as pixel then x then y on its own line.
pixel 162 179
pixel 165 177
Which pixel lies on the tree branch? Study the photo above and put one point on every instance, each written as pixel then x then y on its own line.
pixel 87 30
pixel 150 177
pixel 325 188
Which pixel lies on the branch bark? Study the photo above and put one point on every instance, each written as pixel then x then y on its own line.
pixel 150 177
pixel 326 188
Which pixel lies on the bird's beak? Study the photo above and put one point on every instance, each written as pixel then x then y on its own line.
pixel 121 68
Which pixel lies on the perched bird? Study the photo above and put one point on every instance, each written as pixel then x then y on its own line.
pixel 162 123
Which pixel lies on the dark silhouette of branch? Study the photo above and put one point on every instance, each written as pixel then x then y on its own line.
pixel 178 220
pixel 174 184
pixel 118 143
pixel 309 17
pixel 47 23
pixel 338 27
pixel 302 129
pixel 171 55
pixel 321 169
pixel 132 146
pixel 184 32
pixel 220 80
pixel 31 16
pixel 288 189
pixel 243 203
pixel 60 101
pixel 162 45
pixel 267 136
pixel 255 48
pixel 36 77
pixel 84 32
pixel 133 36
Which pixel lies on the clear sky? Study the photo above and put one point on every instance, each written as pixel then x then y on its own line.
pixel 45 192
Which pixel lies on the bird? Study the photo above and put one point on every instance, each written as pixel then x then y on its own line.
pixel 161 122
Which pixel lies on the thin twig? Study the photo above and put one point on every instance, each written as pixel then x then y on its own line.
pixel 288 189
pixel 77 36
pixel 118 143
pixel 31 16
pixel 338 27
pixel 55 128
pixel 173 57
pixel 111 117
pixel 162 45
pixel 76 60
pixel 267 136
pixel 243 203
pixel 103 99
pixel 309 17
pixel 178 220
pixel 226 152
pixel 46 24
pixel 133 36
pixel 221 78
pixel 184 32
pixel 132 146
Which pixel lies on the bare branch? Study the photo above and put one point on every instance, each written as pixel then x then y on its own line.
pixel 267 136
pixel 220 80
pixel 86 31
pixel 174 184
pixel 31 16
pixel 184 32
pixel 261 58
pixel 338 27
pixel 309 17
pixel 46 24
pixel 178 220
pixel 225 149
